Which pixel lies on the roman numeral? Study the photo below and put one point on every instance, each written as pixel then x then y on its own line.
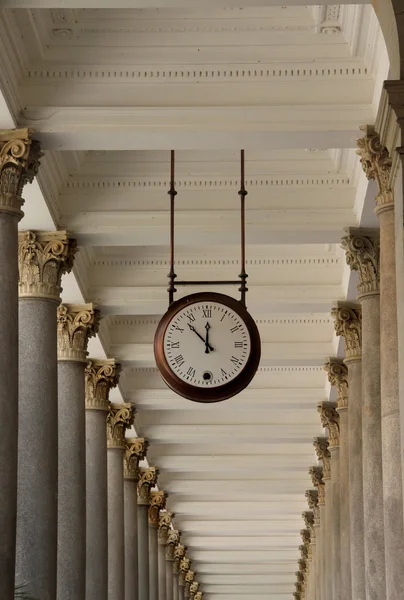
pixel 191 317
pixel 223 373
pixel 223 316
pixel 175 344
pixel 178 328
pixel 191 372
pixel 207 313
pixel 235 360
pixel 179 360
pixel 238 344
pixel 235 328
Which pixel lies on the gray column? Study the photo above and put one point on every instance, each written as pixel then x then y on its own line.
pixel 323 454
pixel 362 247
pixel 377 165
pixel 301 575
pixel 308 517
pixel 100 377
pixel 76 323
pixel 185 564
pixel 312 500
pixel 173 539
pixel 148 479
pixel 316 474
pixel 43 258
pixel 135 451
pixel 338 377
pixel 176 591
pixel 330 421
pixel 165 521
pixel 348 324
pixel 120 417
pixel 19 161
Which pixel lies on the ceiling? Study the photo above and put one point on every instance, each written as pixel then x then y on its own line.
pixel 109 92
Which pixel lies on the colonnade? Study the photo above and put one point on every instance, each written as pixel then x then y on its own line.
pixel 353 543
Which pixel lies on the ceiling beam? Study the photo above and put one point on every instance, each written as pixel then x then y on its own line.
pixel 164 3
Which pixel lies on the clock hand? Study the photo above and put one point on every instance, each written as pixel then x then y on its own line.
pixel 207 345
pixel 192 328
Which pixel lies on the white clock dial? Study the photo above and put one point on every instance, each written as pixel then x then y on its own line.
pixel 207 344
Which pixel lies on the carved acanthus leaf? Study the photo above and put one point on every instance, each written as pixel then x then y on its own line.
pixel 338 376
pixel 120 417
pixel 165 522
pixel 321 447
pixel 19 164
pixel 43 257
pixel 363 255
pixel 76 324
pixel 100 377
pixel 135 451
pixel 330 420
pixel 376 164
pixel 157 503
pixel 316 474
pixel 148 479
pixel 348 324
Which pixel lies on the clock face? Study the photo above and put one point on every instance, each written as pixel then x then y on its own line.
pixel 207 347
pixel 207 344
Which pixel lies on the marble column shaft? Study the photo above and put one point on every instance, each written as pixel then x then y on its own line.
pixel 76 323
pixel 135 451
pixel 43 258
pixel 119 418
pixel 19 162
pixel 377 165
pixel 100 377
pixel 148 478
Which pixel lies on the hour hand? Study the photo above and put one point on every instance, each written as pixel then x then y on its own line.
pixel 207 345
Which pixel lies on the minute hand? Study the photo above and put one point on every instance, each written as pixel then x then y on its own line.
pixel 192 328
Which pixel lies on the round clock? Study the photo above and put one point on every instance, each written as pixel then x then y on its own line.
pixel 207 347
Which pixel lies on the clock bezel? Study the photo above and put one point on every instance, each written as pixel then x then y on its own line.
pixel 215 394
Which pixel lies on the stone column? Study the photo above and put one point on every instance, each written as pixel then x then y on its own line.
pixel 157 503
pixel 179 553
pixel 376 164
pixel 348 323
pixel 323 454
pixel 312 501
pixel 43 257
pixel 185 564
pixel 362 247
pixel 308 517
pixel 338 377
pixel 148 479
pixel 330 421
pixel 300 584
pixel 100 377
pixel 173 540
pixel 119 418
pixel 135 451
pixel 19 162
pixel 316 474
pixel 305 554
pixel 76 324
pixel 165 520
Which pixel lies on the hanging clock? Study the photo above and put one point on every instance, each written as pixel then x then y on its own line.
pixel 207 346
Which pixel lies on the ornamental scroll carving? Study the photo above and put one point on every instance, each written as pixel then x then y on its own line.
pixel 100 377
pixel 76 324
pixel 19 164
pixel 157 503
pixel 165 522
pixel 330 420
pixel 148 479
pixel 119 418
pixel 376 163
pixel 316 474
pixel 43 257
pixel 173 539
pixel 362 252
pixel 135 451
pixel 348 324
pixel 338 377
pixel 321 447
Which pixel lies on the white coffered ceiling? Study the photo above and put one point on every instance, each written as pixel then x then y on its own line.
pixel 110 91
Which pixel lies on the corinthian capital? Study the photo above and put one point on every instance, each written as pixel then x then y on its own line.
pixel 299 576
pixel 193 588
pixel 100 377
pixel 165 522
pixel 338 376
pixel 148 479
pixel 376 164
pixel 305 535
pixel 179 553
pixel 348 324
pixel 119 418
pixel 302 562
pixel 362 251
pixel 43 257
pixel 198 596
pixel 308 517
pixel 76 324
pixel 321 447
pixel 19 163
pixel 312 501
pixel 330 420
pixel 297 595
pixel 184 566
pixel 135 451
pixel 157 503
pixel 173 539
pixel 316 474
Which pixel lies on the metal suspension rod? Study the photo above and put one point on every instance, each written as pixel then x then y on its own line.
pixel 243 193
pixel 172 193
